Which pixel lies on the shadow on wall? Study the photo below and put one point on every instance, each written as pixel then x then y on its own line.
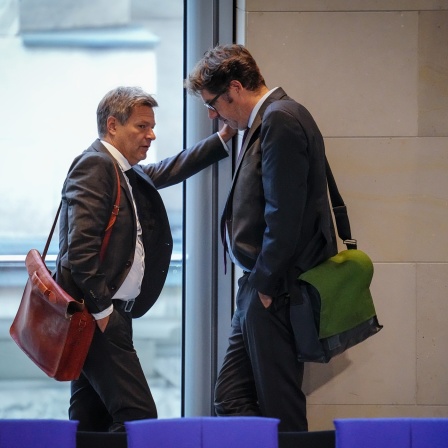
pixel 317 375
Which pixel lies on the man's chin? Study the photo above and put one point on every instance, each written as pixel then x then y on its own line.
pixel 143 156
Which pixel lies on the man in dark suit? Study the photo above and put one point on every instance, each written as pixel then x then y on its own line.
pixel 126 282
pixel 276 224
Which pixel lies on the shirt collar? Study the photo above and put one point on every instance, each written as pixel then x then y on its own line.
pixel 255 110
pixel 118 156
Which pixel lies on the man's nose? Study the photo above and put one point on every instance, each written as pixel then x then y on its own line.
pixel 151 135
pixel 212 114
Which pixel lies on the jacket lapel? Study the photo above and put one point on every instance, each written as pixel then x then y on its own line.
pixel 139 171
pixel 99 147
pixel 276 95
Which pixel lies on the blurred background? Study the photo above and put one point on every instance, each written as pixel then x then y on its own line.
pixel 58 59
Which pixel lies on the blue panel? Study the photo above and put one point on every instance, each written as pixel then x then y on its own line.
pixel 430 432
pixel 373 433
pixel 38 433
pixel 166 433
pixel 239 432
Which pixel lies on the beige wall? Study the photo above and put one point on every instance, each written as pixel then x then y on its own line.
pixel 374 74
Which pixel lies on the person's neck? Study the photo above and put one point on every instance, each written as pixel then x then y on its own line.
pixel 253 99
pixel 257 95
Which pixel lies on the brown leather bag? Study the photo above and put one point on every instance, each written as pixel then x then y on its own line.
pixel 51 327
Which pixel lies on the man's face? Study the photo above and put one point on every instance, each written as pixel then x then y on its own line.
pixel 134 138
pixel 226 107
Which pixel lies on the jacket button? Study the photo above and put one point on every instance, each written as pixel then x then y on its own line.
pixel 128 264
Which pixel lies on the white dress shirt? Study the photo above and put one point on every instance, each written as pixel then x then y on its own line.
pixel 131 286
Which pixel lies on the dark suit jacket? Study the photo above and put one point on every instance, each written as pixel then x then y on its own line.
pixel 88 196
pixel 277 212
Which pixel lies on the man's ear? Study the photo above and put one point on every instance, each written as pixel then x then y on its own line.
pixel 112 125
pixel 236 85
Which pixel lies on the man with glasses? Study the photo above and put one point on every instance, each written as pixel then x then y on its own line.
pixel 276 224
pixel 210 104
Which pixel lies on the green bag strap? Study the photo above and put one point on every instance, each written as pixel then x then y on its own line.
pixel 339 210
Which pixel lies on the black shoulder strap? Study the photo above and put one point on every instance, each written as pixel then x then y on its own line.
pixel 339 210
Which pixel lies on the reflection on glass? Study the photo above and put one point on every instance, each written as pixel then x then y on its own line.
pixel 58 60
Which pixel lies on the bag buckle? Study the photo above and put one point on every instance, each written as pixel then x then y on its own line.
pixel 351 244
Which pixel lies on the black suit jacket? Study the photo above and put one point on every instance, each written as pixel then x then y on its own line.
pixel 277 213
pixel 88 196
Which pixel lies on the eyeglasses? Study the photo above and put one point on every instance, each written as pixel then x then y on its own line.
pixel 209 104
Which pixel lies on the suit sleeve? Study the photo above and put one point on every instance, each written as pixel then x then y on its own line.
pixel 285 167
pixel 188 162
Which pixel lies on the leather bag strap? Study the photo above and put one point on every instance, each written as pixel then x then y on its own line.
pixel 47 244
pixel 112 219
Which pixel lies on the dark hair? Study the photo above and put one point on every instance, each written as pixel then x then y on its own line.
pixel 119 103
pixel 221 65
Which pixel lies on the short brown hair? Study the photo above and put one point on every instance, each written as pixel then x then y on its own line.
pixel 221 65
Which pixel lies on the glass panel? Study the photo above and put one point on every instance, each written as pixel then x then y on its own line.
pixel 58 59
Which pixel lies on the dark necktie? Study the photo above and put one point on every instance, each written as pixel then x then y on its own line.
pixel 132 179
pixel 135 193
pixel 224 215
pixel 244 136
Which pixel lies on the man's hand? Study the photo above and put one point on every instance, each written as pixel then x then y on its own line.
pixel 226 132
pixel 102 323
pixel 265 300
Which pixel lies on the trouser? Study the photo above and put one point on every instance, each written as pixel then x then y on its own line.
pixel 112 388
pixel 260 375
